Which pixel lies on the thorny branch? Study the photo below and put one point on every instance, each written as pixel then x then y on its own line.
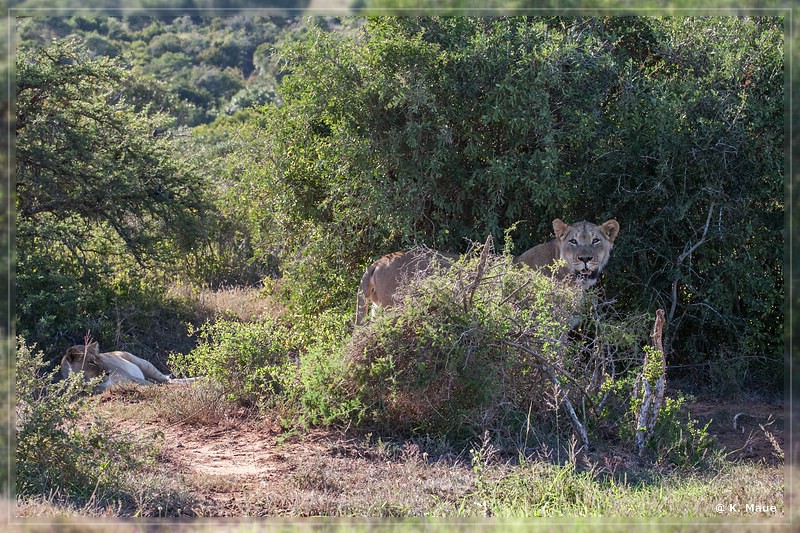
pixel 470 290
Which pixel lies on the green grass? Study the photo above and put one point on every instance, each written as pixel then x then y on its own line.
pixel 539 489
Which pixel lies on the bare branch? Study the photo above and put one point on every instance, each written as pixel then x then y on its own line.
pixel 688 252
pixel 683 256
pixel 470 290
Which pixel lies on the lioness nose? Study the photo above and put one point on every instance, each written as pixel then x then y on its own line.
pixel 585 259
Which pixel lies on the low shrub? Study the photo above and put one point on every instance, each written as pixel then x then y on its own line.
pixel 324 397
pixel 254 362
pixel 483 347
pixel 478 346
pixel 678 439
pixel 63 447
pixel 486 346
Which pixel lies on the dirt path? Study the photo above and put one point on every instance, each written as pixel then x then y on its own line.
pixel 235 469
pixel 253 468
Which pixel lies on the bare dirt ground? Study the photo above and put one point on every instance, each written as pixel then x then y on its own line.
pixel 249 467
pixel 748 431
pixel 242 466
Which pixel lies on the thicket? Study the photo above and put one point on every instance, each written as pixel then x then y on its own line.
pixel 438 130
pixel 481 348
pixel 106 207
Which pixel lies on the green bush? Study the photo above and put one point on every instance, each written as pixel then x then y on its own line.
pixel 678 439
pixel 63 448
pixel 292 365
pixel 106 207
pixel 324 398
pixel 255 363
pixel 463 353
pixel 440 129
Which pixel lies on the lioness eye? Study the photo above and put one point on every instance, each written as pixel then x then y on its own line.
pixel 596 241
pixel 573 241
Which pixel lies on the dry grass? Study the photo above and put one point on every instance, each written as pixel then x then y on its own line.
pixel 243 303
pixel 234 465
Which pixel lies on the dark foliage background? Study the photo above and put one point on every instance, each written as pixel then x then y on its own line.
pixel 438 130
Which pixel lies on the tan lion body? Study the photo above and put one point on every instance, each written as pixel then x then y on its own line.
pixel 117 367
pixel 585 247
pixel 380 281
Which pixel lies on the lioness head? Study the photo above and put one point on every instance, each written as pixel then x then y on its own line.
pixel 585 247
pixel 82 358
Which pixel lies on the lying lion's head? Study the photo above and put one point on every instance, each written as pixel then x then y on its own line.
pixel 82 358
pixel 585 247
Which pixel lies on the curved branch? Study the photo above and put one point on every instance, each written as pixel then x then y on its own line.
pixel 683 256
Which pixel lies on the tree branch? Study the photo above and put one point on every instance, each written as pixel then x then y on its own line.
pixel 470 290
pixel 683 256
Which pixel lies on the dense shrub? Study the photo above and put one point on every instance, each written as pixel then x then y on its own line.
pixel 484 346
pixel 291 366
pixel 487 348
pixel 253 362
pixel 477 348
pixel 434 130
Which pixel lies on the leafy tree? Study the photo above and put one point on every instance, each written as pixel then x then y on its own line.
pixel 201 62
pixel 101 192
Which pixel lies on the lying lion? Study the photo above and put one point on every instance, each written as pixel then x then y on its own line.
pixel 585 247
pixel 117 367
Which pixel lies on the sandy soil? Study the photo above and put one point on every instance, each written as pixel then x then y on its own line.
pixel 738 428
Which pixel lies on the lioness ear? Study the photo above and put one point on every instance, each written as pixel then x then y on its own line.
pixel 611 229
pixel 92 348
pixel 72 355
pixel 561 229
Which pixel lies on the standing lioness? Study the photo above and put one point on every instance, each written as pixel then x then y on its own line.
pixel 584 246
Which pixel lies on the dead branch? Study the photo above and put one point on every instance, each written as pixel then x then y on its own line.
pixel 87 340
pixel 472 287
pixel 572 414
pixel 549 368
pixel 688 252
pixel 658 330
pixel 652 393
